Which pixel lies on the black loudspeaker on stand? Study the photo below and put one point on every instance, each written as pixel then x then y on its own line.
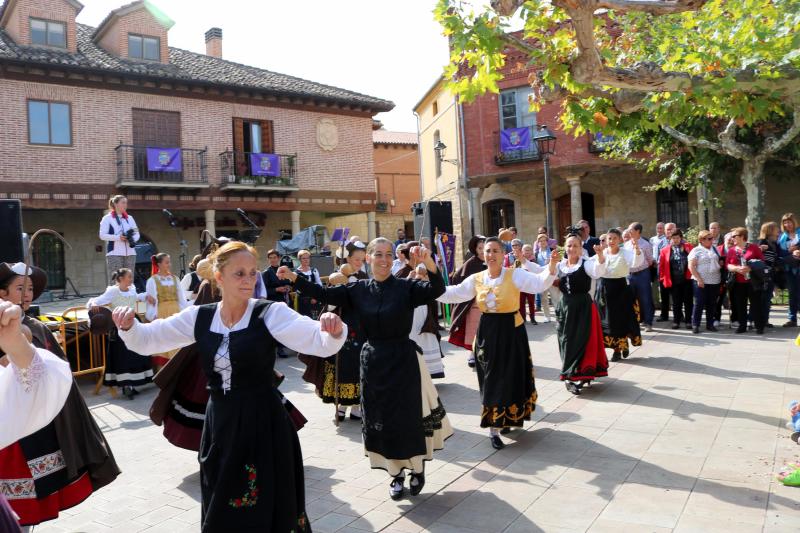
pixel 11 248
pixel 430 217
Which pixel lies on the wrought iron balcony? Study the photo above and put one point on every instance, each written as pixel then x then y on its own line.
pixel 521 155
pixel 133 170
pixel 238 173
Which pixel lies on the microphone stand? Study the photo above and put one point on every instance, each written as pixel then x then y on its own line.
pixel 182 243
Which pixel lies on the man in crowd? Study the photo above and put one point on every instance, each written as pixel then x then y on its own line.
pixel 657 242
pixel 589 242
pixel 664 292
pixel 639 277
pixel 716 235
pixel 401 238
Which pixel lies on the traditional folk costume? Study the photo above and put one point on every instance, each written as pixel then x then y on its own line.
pixel 502 352
pixel 29 399
pixel 304 305
pixel 403 419
pixel 124 368
pixel 61 464
pixel 616 303
pixel 170 300
pixel 251 467
pixel 466 315
pixel 425 331
pixel 580 334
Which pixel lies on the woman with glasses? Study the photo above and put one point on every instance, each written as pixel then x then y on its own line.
pixel 704 261
pixel 738 263
pixel 789 250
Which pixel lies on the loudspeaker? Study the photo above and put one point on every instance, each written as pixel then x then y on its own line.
pixel 11 249
pixel 430 217
pixel 323 264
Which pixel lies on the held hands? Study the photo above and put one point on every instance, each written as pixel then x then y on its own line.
pixel 601 258
pixel 123 318
pixel 12 339
pixel 423 256
pixel 285 272
pixel 555 257
pixel 151 300
pixel 331 323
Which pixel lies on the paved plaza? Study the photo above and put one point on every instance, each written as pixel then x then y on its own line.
pixel 684 436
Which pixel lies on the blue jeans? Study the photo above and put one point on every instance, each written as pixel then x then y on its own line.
pixel 640 283
pixel 704 299
pixel 793 283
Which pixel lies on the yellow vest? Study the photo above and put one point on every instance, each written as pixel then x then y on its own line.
pixel 506 295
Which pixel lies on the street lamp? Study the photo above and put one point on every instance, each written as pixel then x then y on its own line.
pixel 546 142
pixel 440 148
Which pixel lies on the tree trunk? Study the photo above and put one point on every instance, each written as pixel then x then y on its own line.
pixel 754 186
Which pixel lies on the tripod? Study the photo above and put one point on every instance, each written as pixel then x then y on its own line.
pixel 181 241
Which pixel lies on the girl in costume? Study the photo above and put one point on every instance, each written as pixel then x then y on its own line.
pixel 425 331
pixel 251 467
pixel 467 314
pixel 61 464
pixel 502 352
pixel 403 419
pixel 614 298
pixel 580 334
pixel 123 368
pixel 166 297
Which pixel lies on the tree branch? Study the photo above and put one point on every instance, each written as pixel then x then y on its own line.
pixel 773 145
pixel 732 147
pixel 654 7
pixel 688 140
pixel 506 8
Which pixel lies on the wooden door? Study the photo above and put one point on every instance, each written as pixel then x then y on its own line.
pixel 564 219
pixel 161 129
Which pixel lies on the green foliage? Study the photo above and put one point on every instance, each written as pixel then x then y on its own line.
pixel 690 234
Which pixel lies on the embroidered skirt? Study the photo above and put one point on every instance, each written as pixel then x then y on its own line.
pixel 124 367
pixel 251 466
pixel 580 339
pixel 348 369
pixel 618 317
pixel 505 371
pixel 183 422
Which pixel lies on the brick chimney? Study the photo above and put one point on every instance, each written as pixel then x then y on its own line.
pixel 214 42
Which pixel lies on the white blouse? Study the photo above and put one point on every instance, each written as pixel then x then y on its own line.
pixel 30 398
pixel 152 310
pixel 591 265
pixel 289 328
pixel 707 265
pixel 620 264
pixel 524 281
pixel 115 297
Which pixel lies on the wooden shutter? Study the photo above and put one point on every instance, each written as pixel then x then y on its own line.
pixel 267 137
pixel 239 158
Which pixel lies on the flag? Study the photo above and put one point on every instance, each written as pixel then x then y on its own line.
pixel 164 160
pixel 515 139
pixel 446 245
pixel 265 165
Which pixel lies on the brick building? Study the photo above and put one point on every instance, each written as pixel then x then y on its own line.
pixel 81 104
pixel 506 188
pixel 396 162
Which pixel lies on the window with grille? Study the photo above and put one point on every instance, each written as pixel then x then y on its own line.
pixel 672 205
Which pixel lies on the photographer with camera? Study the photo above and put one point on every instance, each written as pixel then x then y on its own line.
pixel 121 234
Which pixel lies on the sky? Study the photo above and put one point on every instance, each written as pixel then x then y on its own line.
pixel 391 49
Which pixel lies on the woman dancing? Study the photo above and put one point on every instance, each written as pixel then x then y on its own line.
pixel 580 335
pixel 403 419
pixel 251 467
pixel 467 314
pixel 502 352
pixel 165 297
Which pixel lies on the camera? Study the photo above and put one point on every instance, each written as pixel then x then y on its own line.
pixel 574 230
pixel 131 236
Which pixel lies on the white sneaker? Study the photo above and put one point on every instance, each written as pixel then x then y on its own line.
pixel 734 325
pixel 716 323
pixel 546 320
pixel 648 328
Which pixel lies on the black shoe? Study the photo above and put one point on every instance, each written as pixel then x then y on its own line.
pixel 759 331
pixel 615 357
pixel 625 354
pixel 695 330
pixel 676 326
pixel 505 431
pixel 663 319
pixel 712 329
pixel 769 326
pixel 340 416
pixel 796 437
pixel 534 322
pixel 741 330
pixel 497 442
pixel 573 388
pixel 790 324
pixel 416 489
pixel 128 392
pixel 354 417
pixel 471 364
pixel 688 326
pixel 396 488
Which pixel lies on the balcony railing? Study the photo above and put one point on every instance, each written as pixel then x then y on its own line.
pixel 598 143
pixel 238 174
pixel 133 169
pixel 509 157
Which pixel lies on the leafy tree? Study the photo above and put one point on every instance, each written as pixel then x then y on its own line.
pixel 704 87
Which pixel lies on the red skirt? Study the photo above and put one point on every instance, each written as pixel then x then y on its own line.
pixel 18 485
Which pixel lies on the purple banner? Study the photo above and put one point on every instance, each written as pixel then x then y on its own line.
pixel 515 139
pixel 164 160
pixel 446 244
pixel 265 165
pixel 340 234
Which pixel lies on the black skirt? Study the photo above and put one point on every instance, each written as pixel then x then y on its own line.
pixel 251 467
pixel 124 367
pixel 505 371
pixel 392 399
pixel 615 303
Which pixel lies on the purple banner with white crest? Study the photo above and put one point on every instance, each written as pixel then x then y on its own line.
pixel 164 160
pixel 265 165
pixel 515 139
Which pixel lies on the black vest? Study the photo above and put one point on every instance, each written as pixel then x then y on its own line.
pixel 251 350
pixel 578 282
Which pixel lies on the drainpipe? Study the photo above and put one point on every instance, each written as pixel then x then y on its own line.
pixel 471 208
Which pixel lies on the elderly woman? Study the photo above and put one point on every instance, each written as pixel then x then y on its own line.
pixel 704 263
pixel 724 299
pixel 789 250
pixel 551 295
pixel 768 242
pixel 738 263
pixel 251 467
pixel 466 314
pixel 306 305
pixel 674 274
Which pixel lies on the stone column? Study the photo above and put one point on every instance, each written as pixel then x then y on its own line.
pixel 371 227
pixel 576 207
pixel 211 226
pixel 702 219
pixel 295 218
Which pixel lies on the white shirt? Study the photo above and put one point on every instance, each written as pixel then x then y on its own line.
pixel 592 266
pixel 293 330
pixel 151 289
pixel 115 297
pixel 31 398
pixel 647 251
pixel 707 265
pixel 524 281
pixel 620 264
pixel 112 229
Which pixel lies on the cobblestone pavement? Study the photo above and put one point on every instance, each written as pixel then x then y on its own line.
pixel 683 436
